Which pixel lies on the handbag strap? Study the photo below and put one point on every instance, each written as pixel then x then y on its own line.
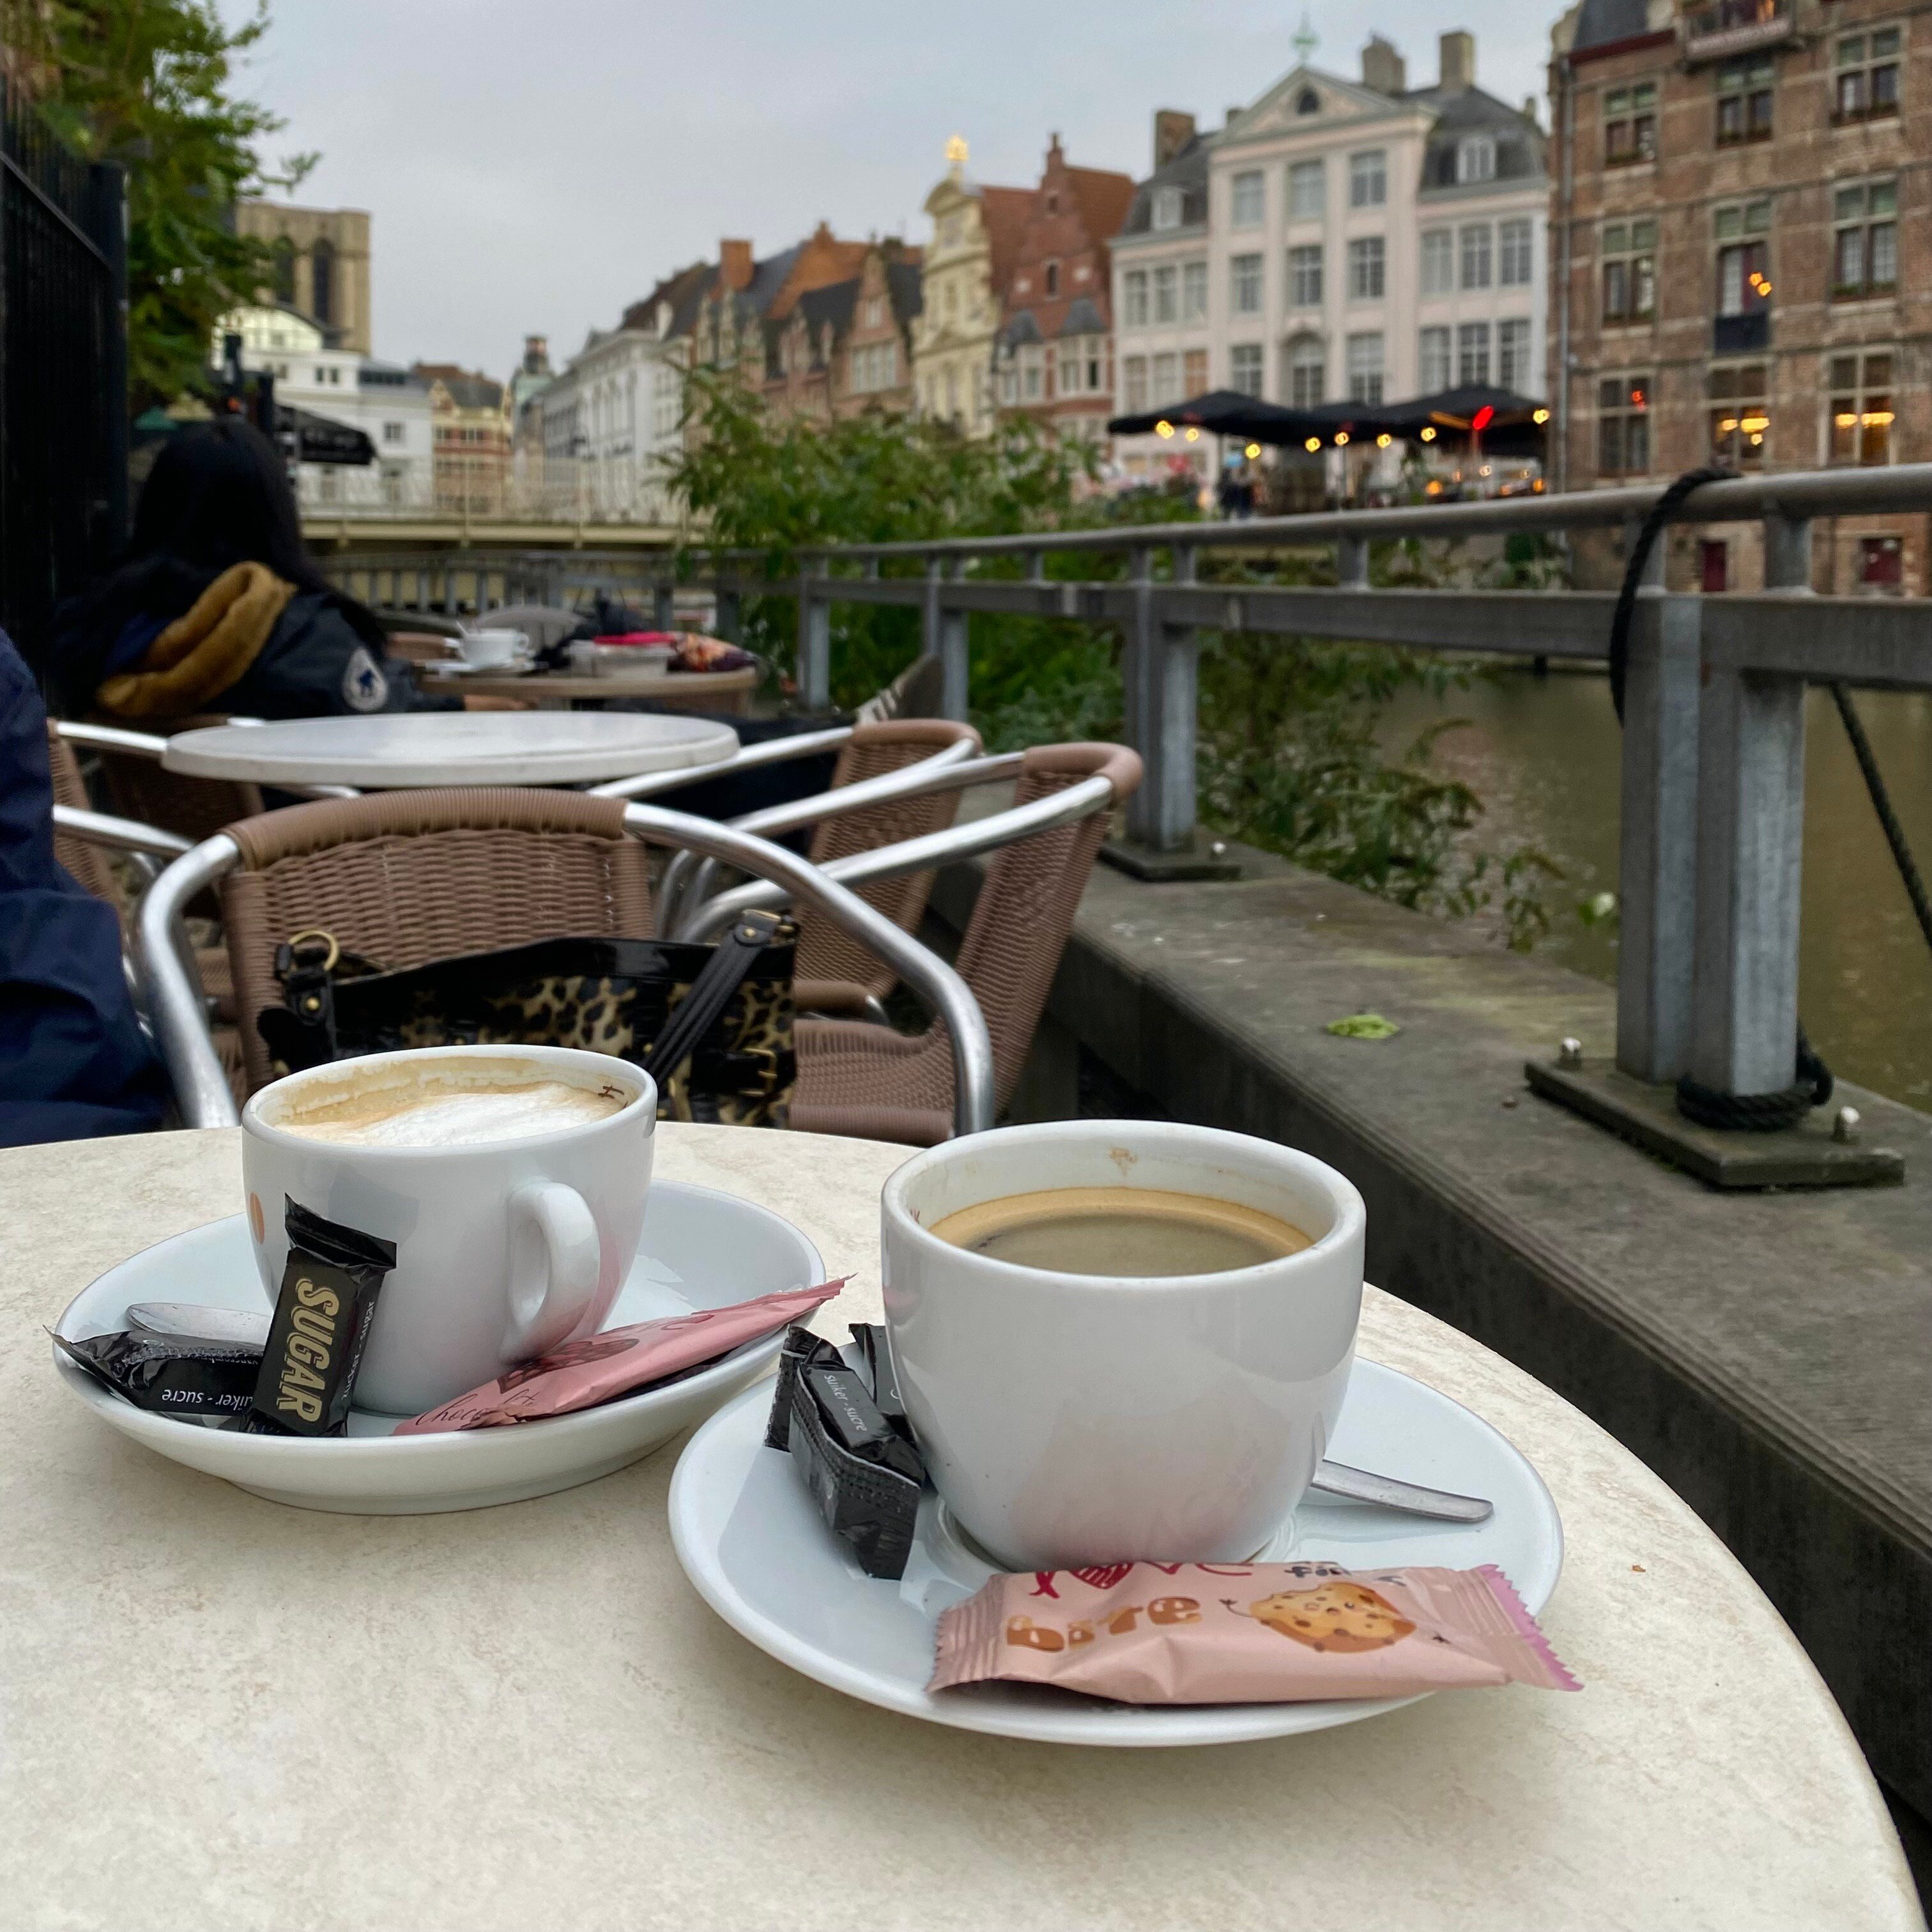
pixel 731 959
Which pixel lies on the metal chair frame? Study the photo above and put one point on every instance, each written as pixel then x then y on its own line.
pixel 149 745
pixel 201 1086
pixel 749 757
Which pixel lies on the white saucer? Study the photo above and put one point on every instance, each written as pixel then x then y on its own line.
pixel 700 1249
pixel 751 1540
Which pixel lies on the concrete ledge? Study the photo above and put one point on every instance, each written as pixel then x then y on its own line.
pixel 1767 1353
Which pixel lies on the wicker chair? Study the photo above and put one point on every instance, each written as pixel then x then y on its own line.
pixel 140 788
pixel 405 878
pixel 835 973
pixel 864 1080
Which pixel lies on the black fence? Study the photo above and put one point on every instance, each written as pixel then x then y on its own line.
pixel 63 370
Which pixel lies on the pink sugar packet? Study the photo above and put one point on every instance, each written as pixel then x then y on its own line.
pixel 1247 1633
pixel 619 1361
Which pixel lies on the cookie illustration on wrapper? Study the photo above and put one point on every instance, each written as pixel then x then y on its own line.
pixel 1334 1616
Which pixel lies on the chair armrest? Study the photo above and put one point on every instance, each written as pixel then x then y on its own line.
pixel 773 751
pixel 123 835
pixel 111 738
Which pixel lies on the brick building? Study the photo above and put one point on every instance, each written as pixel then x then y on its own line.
pixel 1054 354
pixel 471 428
pixel 847 346
pixel 1734 264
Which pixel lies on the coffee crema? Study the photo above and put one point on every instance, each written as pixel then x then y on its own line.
pixel 442 1109
pixel 1121 1230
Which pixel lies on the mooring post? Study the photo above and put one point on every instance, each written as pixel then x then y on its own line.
pixel 815 643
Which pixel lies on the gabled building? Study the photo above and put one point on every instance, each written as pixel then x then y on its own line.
pixel 847 347
pixel 744 297
pixel 471 420
pixel 967 266
pixel 1054 358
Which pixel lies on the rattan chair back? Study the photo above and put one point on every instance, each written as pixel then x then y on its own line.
pixel 87 863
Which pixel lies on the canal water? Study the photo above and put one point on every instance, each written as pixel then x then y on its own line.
pixel 1542 752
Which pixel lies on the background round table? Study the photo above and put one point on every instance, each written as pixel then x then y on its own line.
pixel 714 690
pixel 218 1709
pixel 396 749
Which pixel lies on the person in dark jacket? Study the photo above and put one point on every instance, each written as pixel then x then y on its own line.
pixel 73 1061
pixel 216 606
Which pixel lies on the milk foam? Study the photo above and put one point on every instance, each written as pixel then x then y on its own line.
pixel 450 1117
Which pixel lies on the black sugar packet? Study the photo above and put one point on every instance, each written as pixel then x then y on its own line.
pixel 170 1375
pixel 322 1315
pixel 865 1476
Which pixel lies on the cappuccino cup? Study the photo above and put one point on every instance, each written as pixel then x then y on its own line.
pixel 512 1180
pixel 491 649
pixel 1072 1417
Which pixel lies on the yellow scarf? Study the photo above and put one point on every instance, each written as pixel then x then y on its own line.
pixel 203 651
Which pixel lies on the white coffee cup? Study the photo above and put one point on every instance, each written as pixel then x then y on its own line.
pixel 505 1249
pixel 488 650
pixel 1074 1419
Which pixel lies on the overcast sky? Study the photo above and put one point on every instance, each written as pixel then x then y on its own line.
pixel 531 165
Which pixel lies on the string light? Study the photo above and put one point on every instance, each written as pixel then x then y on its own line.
pixel 1341 439
pixel 1163 427
pixel 1383 441
pixel 1254 450
pixel 1313 443
pixel 1429 435
pixel 1539 416
pixel 1194 436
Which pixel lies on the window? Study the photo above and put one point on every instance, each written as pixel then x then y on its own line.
pixel 1438 262
pixel 949 230
pixel 1476 240
pixel 1069 369
pixel 1629 125
pixel 1307 372
pixel 1165 282
pixel 1304 277
pixel 1743 281
pixel 1630 271
pixel 1244 368
pixel 394 432
pixel 1882 564
pixel 1307 192
pixel 1053 278
pixel 1744 101
pixel 1740 421
pixel 875 311
pixel 1515 257
pixel 284 270
pixel 1433 362
pixel 1365 369
pixel 1052 201
pixel 1864 242
pixel 1134 375
pixel 1134 297
pixel 1366 266
pixel 1031 380
pixel 1513 370
pixel 1194 372
pixel 1244 285
pixel 1167 379
pixel 1193 291
pixel 1167 207
pixel 1868 76
pixel 1476 158
pixel 1623 426
pixel 1472 353
pixel 1368 179
pixel 1860 408
pixel 322 283
pixel 1248 199
pixel 1308 102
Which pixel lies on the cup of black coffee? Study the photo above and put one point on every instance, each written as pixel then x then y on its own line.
pixel 511 1179
pixel 1121 1339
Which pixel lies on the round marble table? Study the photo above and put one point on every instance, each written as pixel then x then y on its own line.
pixel 407 749
pixel 218 1709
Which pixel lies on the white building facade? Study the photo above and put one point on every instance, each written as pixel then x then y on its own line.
pixel 381 399
pixel 1345 240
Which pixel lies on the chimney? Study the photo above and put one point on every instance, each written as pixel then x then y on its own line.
pixel 734 263
pixel 1234 113
pixel 536 356
pixel 1172 131
pixel 1382 67
pixel 1529 109
pixel 1458 60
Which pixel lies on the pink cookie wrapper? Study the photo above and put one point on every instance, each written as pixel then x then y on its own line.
pixel 1247 1633
pixel 620 1361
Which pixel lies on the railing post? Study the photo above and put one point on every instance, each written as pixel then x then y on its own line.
pixel 1658 864
pixel 1787 552
pixel 1351 562
pixel 1161 666
pixel 815 643
pixel 664 604
pixel 1140 650
pixel 729 621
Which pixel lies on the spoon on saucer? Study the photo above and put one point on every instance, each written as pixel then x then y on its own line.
pixel 1361 1485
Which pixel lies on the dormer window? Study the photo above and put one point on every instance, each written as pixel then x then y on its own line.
pixel 1167 207
pixel 1476 158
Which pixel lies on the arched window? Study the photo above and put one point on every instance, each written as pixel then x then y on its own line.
pixel 283 272
pixel 1308 102
pixel 322 283
pixel 1304 371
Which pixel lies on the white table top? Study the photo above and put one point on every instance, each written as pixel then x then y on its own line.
pixel 218 1710
pixel 396 749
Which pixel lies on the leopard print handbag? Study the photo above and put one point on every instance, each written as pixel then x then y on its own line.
pixel 733 1053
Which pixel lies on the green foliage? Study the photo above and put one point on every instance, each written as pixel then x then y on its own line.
pixel 147 83
pixel 1289 755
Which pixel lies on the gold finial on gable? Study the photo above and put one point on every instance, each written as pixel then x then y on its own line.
pixel 956 150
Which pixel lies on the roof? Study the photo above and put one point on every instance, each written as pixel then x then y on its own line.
pixel 1020 329
pixel 833 304
pixel 1188 172
pixel 1003 214
pixel 1521 148
pixel 678 292
pixel 1103 198
pixel 1599 22
pixel 465 389
pixel 904 281
pixel 1083 318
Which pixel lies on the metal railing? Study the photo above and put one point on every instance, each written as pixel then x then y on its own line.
pixel 471 583
pixel 1713 753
